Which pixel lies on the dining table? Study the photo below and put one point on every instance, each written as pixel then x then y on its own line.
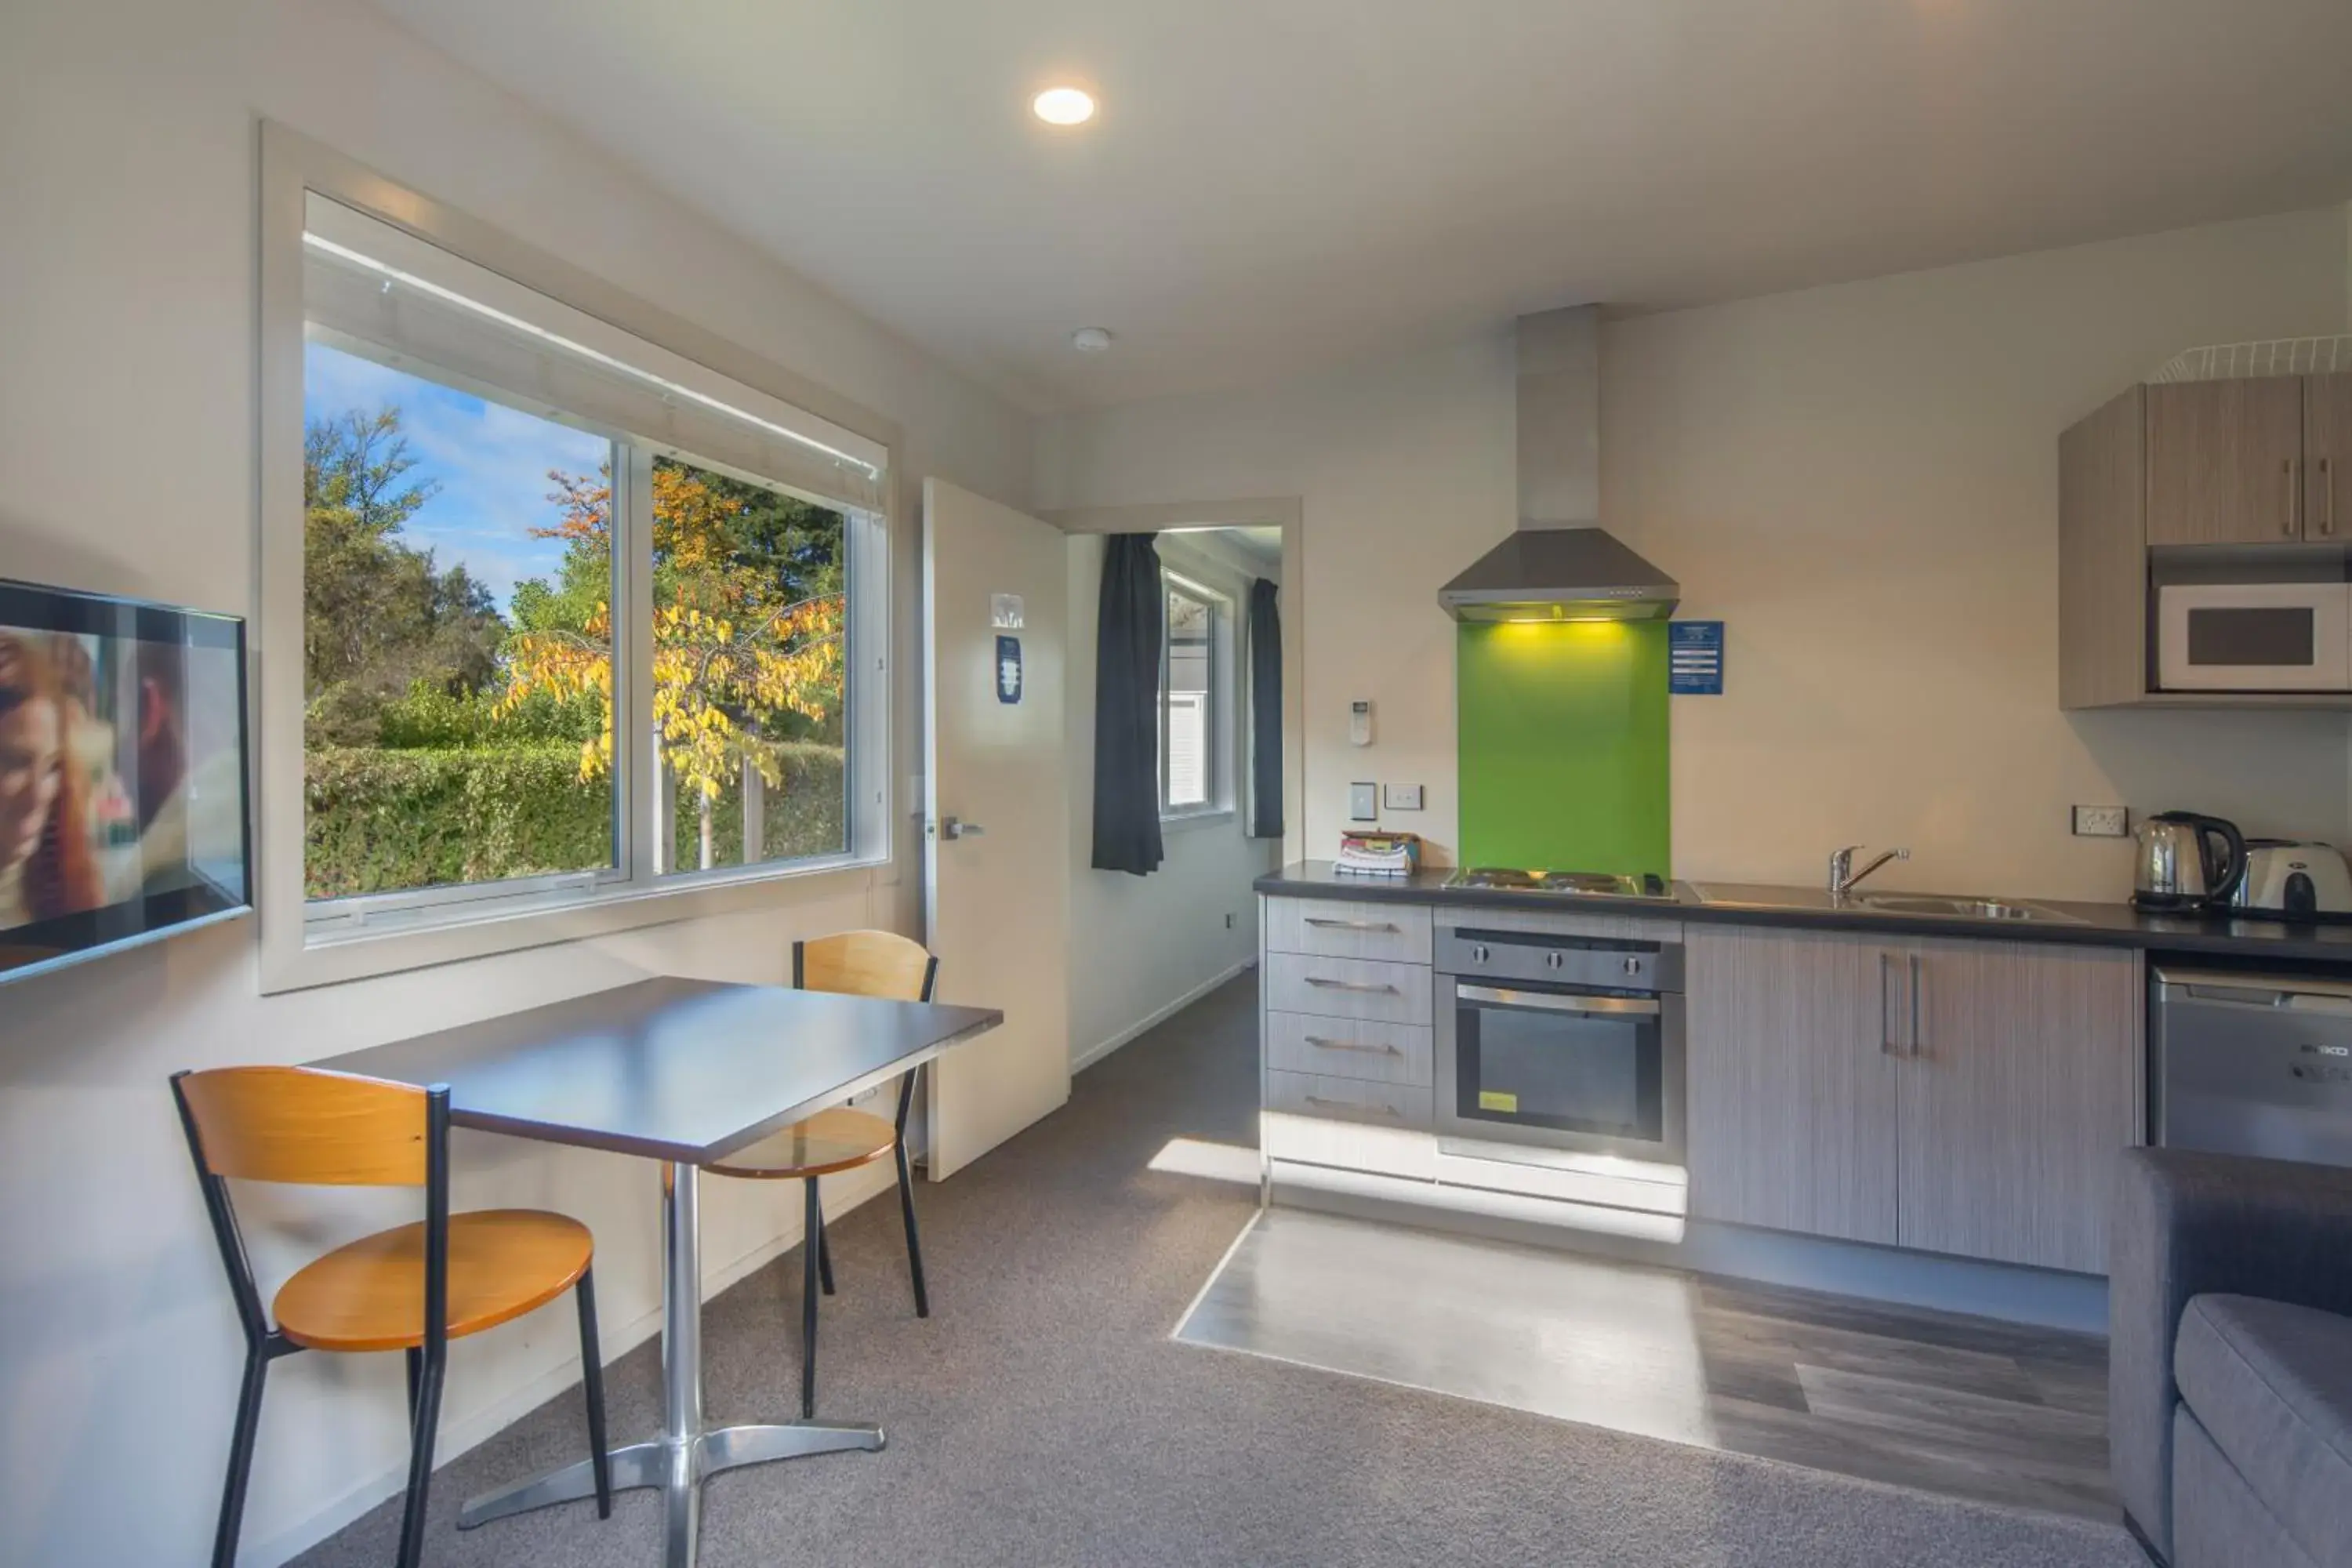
pixel 681 1072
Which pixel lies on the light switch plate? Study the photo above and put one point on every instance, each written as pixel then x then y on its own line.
pixel 2102 821
pixel 1400 797
pixel 1363 802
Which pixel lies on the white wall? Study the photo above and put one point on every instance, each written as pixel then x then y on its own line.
pixel 1141 947
pixel 1860 479
pixel 128 170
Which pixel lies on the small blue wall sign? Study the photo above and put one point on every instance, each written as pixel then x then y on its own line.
pixel 1008 670
pixel 1695 658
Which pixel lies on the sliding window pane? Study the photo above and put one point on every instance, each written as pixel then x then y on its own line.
pixel 1190 623
pixel 457 663
pixel 749 592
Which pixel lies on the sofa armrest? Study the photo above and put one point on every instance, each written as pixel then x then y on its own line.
pixel 2189 1224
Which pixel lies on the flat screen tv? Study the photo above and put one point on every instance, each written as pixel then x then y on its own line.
pixel 122 774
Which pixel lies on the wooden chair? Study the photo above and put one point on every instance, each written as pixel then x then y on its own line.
pixel 413 1288
pixel 860 964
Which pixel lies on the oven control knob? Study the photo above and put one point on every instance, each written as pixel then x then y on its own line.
pixel 1634 966
pixel 1478 954
pixel 1554 959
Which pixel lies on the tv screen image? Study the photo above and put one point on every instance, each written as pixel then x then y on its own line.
pixel 122 773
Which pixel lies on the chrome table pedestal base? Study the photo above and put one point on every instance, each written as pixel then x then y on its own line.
pixel 687 1454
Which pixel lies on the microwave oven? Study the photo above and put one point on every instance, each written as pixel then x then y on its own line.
pixel 2254 637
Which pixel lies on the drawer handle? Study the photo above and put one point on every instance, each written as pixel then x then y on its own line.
pixel 1350 925
pixel 1350 984
pixel 1353 1046
pixel 1345 1105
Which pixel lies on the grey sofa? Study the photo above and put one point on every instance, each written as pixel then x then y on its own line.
pixel 2230 1377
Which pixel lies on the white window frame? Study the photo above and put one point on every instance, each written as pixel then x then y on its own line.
pixel 1224 649
pixel 305 944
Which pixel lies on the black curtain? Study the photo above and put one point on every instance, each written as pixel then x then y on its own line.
pixel 1133 608
pixel 1266 711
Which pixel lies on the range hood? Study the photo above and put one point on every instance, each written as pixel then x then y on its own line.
pixel 1560 563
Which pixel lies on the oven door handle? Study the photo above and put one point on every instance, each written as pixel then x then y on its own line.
pixel 1552 1001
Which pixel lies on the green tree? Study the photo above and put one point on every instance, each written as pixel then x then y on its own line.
pixel 379 617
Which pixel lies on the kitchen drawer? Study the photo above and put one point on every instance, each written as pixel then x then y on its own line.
pixel 1331 928
pixel 1347 1047
pixel 1348 988
pixel 1401 1105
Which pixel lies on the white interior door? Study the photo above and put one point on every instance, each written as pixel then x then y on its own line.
pixel 997 813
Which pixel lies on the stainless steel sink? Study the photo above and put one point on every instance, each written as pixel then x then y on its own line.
pixel 1936 905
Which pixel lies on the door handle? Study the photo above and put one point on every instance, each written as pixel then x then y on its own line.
pixel 1887 1042
pixel 2326 498
pixel 956 827
pixel 2286 465
pixel 1348 984
pixel 1916 1050
pixel 1350 925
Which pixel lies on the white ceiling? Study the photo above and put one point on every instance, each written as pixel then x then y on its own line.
pixel 1274 186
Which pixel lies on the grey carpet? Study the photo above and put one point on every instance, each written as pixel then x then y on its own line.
pixel 1043 1416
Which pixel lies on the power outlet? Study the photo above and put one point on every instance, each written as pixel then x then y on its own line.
pixel 2102 822
pixel 1400 797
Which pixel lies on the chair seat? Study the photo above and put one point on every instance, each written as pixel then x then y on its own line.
pixel 370 1295
pixel 836 1140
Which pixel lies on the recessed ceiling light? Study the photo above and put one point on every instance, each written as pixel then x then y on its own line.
pixel 1090 340
pixel 1064 106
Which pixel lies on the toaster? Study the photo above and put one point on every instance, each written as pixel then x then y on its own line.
pixel 2300 880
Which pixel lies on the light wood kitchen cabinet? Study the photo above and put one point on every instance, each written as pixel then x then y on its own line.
pixel 1791 1081
pixel 2189 466
pixel 2018 1086
pixel 2224 461
pixel 1961 1096
pixel 2326 454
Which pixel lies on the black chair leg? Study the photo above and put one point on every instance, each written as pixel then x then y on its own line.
pixel 415 1359
pixel 824 1251
pixel 420 1460
pixel 812 1223
pixel 914 1241
pixel 591 1379
pixel 240 1460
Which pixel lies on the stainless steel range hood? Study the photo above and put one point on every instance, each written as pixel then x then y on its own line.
pixel 1560 563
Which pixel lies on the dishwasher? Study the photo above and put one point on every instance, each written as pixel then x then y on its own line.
pixel 2252 1064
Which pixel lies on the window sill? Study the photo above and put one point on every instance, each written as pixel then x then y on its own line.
pixel 1194 821
pixel 486 927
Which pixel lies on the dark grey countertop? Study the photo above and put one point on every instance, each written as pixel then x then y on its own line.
pixel 2096 925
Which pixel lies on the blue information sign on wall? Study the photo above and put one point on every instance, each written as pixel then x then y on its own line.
pixel 1695 658
pixel 1008 670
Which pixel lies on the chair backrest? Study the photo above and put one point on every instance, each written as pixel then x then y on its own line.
pixel 318 1128
pixel 300 1124
pixel 866 963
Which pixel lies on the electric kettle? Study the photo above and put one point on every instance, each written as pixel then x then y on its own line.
pixel 2187 862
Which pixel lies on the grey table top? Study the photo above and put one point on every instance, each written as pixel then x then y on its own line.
pixel 669 1069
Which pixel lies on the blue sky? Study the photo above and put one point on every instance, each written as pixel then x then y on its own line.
pixel 492 462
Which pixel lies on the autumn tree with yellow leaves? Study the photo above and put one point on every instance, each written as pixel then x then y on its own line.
pixel 748 623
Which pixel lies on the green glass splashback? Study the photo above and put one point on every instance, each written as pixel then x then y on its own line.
pixel 1562 745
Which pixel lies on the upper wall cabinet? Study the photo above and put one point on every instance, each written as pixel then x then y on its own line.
pixel 2190 466
pixel 2224 461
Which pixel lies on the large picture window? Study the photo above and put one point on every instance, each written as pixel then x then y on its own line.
pixel 582 619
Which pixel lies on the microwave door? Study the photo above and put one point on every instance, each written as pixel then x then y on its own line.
pixel 2254 637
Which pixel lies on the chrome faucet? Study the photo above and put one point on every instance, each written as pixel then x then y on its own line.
pixel 1844 878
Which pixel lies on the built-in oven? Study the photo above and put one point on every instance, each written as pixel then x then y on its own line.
pixel 1553 1050
pixel 2254 637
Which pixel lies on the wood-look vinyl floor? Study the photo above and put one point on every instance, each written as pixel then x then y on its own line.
pixel 1967 1406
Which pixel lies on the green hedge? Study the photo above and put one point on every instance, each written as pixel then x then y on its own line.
pixel 380 820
